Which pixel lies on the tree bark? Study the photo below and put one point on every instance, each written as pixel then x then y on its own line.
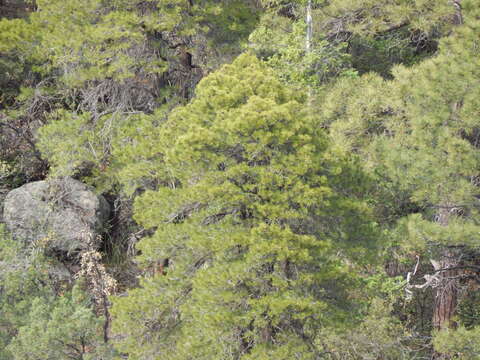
pixel 458 17
pixel 309 21
pixel 308 43
pixel 446 293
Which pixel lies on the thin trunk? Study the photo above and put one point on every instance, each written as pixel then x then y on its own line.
pixel 268 333
pixel 308 43
pixel 309 22
pixel 108 319
pixel 245 342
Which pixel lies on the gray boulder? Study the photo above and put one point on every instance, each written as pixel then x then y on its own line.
pixel 56 214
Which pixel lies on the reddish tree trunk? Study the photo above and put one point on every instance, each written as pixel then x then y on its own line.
pixel 447 289
pixel 446 293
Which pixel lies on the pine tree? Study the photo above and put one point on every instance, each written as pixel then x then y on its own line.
pixel 62 328
pixel 41 315
pixel 418 134
pixel 91 65
pixel 435 146
pixel 280 38
pixel 250 222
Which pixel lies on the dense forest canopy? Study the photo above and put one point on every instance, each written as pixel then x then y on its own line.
pixel 239 179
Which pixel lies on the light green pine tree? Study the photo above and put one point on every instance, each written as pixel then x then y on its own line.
pixel 251 224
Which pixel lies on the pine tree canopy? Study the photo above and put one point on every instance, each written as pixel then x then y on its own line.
pixel 249 223
pixel 254 179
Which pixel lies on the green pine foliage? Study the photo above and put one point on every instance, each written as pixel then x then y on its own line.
pixel 382 34
pixel 281 42
pixel 372 17
pixel 458 344
pixel 434 136
pixel 274 195
pixel 21 280
pixel 42 316
pixel 378 336
pixel 250 231
pixel 64 328
pixel 120 59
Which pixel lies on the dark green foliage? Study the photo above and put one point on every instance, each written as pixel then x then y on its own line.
pixel 469 308
pixel 382 34
pixel 378 54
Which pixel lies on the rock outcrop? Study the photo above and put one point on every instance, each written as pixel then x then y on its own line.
pixel 56 214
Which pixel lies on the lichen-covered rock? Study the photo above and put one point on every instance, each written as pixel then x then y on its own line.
pixel 57 214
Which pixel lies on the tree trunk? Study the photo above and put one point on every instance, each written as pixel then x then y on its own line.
pixel 308 43
pixel 309 21
pixel 458 17
pixel 446 293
